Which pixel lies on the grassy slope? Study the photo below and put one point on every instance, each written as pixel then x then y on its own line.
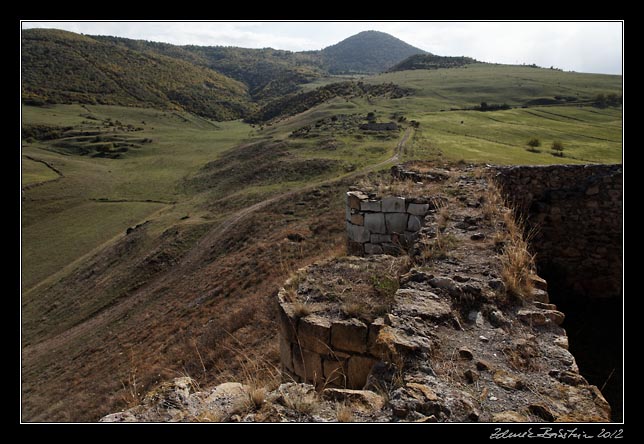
pixel 63 67
pixel 59 210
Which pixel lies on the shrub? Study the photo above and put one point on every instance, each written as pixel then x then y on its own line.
pixel 534 142
pixel 557 148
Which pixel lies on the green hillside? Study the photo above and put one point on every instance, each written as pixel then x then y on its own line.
pixel 366 52
pixel 268 73
pixel 63 67
pixel 431 61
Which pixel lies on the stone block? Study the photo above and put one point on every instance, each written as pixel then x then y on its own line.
pixel 375 223
pixel 393 205
pixel 347 213
pixel 380 238
pixel 354 198
pixel 396 222
pixel 357 219
pixel 372 337
pixel 349 335
pixel 335 372
pixel 358 369
pixel 372 249
pixel 287 322
pixel 307 365
pixel 358 233
pixel 314 333
pixel 418 209
pixel 414 223
pixel 371 205
pixel 286 357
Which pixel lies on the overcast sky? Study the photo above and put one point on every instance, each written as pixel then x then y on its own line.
pixel 572 46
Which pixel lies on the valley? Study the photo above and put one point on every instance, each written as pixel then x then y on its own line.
pixel 155 233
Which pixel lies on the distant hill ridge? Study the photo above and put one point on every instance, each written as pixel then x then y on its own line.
pixel 221 83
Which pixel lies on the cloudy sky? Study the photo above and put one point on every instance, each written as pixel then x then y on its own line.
pixel 572 46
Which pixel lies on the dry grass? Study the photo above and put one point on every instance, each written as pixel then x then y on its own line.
pixel 301 310
pixel 517 263
pixel 344 413
pixel 436 249
pixel 257 396
pixel 304 403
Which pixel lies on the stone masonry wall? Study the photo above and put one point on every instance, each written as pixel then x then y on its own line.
pixel 577 212
pixel 324 352
pixel 383 225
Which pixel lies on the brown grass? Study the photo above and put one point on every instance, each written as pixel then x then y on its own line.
pixel 517 263
pixel 344 413
pixel 301 310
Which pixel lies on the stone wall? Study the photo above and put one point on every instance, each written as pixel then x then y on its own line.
pixel 577 213
pixel 325 352
pixel 386 225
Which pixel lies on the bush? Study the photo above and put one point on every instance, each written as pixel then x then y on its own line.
pixel 557 148
pixel 534 142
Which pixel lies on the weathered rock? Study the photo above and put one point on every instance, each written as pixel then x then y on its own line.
pixel 498 319
pixel 314 333
pixel 393 205
pixel 465 353
pixel 483 365
pixel 427 392
pixel 371 205
pixel 396 222
pixel 561 341
pixel 477 236
pixel 307 364
pixel 354 198
pixel 568 377
pixel 335 372
pixel 538 282
pixel 375 223
pixel 366 398
pixel 349 335
pixel 418 209
pixel 357 219
pixel 443 282
pixel 358 370
pixel 286 357
pixel 357 233
pixel 505 380
pixel 532 317
pixel 414 223
pixel 539 295
pixel 508 416
pixel 555 316
pixel 424 304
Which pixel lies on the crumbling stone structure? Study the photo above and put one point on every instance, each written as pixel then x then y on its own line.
pixel 383 225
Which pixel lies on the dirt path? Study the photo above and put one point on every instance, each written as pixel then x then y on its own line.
pixel 189 261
